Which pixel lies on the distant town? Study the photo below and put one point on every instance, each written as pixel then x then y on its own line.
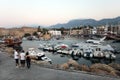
pixel 111 31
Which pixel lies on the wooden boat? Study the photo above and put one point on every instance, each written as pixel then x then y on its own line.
pixel 11 42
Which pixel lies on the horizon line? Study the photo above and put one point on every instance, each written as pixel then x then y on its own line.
pixel 36 25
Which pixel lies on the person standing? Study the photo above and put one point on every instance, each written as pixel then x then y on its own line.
pixel 22 59
pixel 16 57
pixel 28 60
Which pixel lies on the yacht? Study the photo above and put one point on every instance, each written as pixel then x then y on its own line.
pixel 40 55
pixel 95 41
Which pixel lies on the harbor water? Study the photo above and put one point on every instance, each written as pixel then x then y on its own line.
pixel 60 59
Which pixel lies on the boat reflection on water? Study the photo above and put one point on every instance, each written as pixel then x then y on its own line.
pixel 92 60
pixel 99 60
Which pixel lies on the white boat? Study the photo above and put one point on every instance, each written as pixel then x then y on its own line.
pixel 46 59
pixel 2 41
pixel 24 39
pixel 76 52
pixel 61 46
pixel 38 54
pixel 32 52
pixel 95 41
pixel 59 51
pixel 47 47
pixel 109 55
pixel 98 53
pixel 107 47
pixel 41 46
pixel 88 53
pixel 75 45
pixel 64 51
pixel 98 49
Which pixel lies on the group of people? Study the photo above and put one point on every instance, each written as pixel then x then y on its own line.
pixel 22 58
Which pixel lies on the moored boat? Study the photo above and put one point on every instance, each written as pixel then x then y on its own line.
pixel 39 55
pixel 109 55
pixel 12 41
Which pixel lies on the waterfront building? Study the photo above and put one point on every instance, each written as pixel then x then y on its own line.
pixel 101 30
pixel 55 32
pixel 87 31
pixel 66 32
pixel 94 30
pixel 119 29
pixel 76 32
pixel 114 29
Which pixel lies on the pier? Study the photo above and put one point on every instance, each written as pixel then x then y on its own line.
pixel 114 37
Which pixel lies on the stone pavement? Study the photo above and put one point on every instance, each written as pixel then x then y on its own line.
pixel 9 72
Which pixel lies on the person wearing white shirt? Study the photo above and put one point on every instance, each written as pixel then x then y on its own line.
pixel 22 58
pixel 16 57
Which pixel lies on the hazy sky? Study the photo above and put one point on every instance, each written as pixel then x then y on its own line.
pixel 48 12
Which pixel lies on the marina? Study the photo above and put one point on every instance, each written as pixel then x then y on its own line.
pixel 102 53
pixel 60 40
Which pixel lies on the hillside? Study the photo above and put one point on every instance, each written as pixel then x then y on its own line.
pixel 92 22
pixel 19 32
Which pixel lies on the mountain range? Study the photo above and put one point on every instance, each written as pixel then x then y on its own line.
pixel 92 22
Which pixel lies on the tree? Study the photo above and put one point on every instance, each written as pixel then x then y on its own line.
pixel 44 30
pixel 62 30
pixel 39 29
pixel 27 34
pixel 35 34
pixel 91 27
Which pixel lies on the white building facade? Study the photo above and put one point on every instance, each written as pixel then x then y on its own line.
pixel 55 32
pixel 94 30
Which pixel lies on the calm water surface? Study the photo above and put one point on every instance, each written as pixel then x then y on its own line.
pixel 57 59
